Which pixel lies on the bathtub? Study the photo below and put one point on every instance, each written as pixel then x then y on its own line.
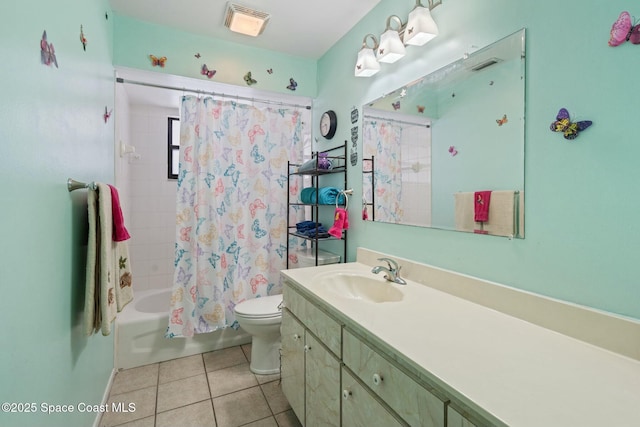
pixel 140 327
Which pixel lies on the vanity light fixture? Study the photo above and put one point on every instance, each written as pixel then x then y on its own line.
pixel 391 47
pixel 244 20
pixel 367 64
pixel 419 29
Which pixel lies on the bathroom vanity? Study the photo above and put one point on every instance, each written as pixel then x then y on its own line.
pixel 360 351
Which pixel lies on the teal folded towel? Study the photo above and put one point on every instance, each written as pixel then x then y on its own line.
pixel 324 196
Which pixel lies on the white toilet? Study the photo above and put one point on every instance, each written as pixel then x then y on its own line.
pixel 261 318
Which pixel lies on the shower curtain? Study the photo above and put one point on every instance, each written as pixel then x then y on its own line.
pixel 382 139
pixel 231 208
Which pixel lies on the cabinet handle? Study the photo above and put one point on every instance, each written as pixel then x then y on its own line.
pixel 377 379
pixel 307 348
pixel 346 394
pixel 296 337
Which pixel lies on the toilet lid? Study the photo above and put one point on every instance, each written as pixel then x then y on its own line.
pixel 260 307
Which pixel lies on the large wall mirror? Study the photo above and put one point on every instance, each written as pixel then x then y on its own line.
pixel 447 150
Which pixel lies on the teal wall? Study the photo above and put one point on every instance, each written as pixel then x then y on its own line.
pixel 136 40
pixel 582 231
pixel 51 128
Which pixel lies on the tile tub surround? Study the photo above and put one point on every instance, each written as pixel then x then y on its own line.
pixel 209 389
pixel 506 370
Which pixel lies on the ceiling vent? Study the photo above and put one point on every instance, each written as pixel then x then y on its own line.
pixel 244 20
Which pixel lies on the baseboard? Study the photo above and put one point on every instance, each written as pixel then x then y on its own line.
pixel 105 397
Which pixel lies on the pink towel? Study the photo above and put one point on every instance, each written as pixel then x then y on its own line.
pixel 120 232
pixel 481 205
pixel 341 222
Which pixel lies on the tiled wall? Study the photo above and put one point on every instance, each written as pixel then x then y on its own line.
pixel 151 201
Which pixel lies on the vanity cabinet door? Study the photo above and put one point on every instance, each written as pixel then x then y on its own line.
pixel 455 419
pixel 413 402
pixel 322 389
pixel 292 363
pixel 360 408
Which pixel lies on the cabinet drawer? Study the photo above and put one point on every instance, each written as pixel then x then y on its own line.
pixel 414 403
pixel 360 408
pixel 314 319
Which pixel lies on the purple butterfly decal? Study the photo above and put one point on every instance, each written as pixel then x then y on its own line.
pixel 564 124
pixel 292 84
pixel 107 114
pixel 47 52
pixel 453 151
pixel 205 71
pixel 624 30
pixel 396 105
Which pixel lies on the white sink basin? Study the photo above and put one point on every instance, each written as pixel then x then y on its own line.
pixel 358 287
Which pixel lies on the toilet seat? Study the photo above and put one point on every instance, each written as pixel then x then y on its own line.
pixel 260 308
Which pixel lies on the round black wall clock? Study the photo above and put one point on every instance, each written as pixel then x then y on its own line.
pixel 328 124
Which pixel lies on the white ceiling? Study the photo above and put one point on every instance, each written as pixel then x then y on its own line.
pixel 297 27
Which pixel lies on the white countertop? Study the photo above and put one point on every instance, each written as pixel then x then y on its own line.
pixel 520 373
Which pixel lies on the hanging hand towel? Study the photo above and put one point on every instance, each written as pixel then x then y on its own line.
pixel 341 222
pixel 481 203
pixel 120 232
pixel 100 297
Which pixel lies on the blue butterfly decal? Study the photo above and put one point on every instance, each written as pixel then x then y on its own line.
pixel 209 179
pixel 255 227
pixel 234 250
pixel 179 254
pixel 202 301
pixel 281 251
pixel 257 157
pixel 213 260
pixel 292 84
pixel 282 181
pixel 567 127
pixel 222 209
pixel 233 173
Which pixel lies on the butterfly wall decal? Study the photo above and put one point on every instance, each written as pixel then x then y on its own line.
pixel 197 55
pixel 564 124
pixel 396 105
pixel 624 30
pixel 83 39
pixel 292 84
pixel 158 62
pixel 420 108
pixel 502 121
pixel 270 70
pixel 249 80
pixel 107 114
pixel 205 71
pixel 452 150
pixel 47 52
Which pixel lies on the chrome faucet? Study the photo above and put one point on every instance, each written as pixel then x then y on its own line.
pixel 393 271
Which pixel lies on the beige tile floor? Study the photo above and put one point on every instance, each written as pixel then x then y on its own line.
pixel 214 389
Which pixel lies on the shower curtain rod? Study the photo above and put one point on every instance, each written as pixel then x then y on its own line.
pixel 403 122
pixel 199 91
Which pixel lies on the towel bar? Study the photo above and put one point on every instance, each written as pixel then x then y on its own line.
pixel 72 184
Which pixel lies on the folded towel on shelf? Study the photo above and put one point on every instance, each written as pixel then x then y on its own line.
pixel 482 200
pixel 307 225
pixel 324 196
